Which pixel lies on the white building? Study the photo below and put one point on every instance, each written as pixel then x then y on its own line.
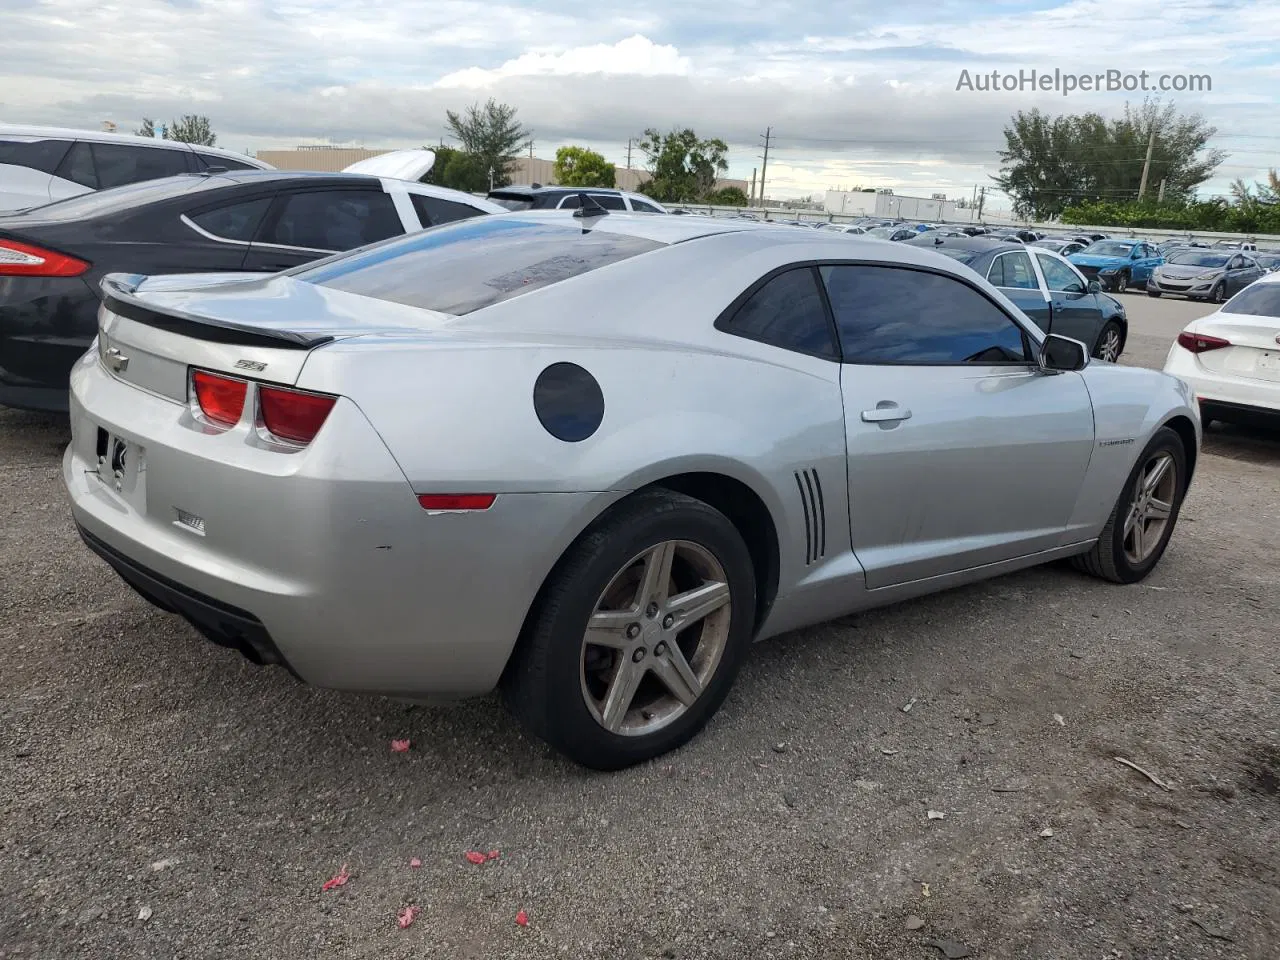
pixel 858 203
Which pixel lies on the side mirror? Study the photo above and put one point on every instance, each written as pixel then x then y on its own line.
pixel 1136 255
pixel 1095 286
pixel 1058 353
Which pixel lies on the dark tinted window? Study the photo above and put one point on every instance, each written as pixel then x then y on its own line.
pixel 239 221
pixel 1013 270
pixel 433 211
pixel 786 312
pixel 958 253
pixel 511 201
pixel 640 206
pixel 42 155
pixel 464 266
pixel 610 201
pixel 213 160
pixel 77 166
pixel 1256 300
pixel 119 164
pixel 126 198
pixel 893 315
pixel 334 219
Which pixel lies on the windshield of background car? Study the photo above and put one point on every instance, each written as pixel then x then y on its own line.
pixel 1256 300
pixel 123 198
pixel 1193 258
pixel 1108 248
pixel 465 266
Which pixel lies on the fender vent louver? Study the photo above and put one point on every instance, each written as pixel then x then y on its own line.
pixel 815 515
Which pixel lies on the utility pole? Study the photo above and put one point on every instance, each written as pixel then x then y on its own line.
pixel 982 198
pixel 975 195
pixel 530 149
pixel 768 134
pixel 1146 167
pixel 1160 197
pixel 628 153
pixel 751 200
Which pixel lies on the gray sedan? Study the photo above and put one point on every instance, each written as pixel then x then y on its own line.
pixel 1214 275
pixel 588 458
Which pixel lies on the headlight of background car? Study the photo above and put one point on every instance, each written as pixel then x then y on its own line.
pixel 1207 276
pixel 1106 271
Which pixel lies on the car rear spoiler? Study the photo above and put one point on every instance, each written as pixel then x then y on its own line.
pixel 119 296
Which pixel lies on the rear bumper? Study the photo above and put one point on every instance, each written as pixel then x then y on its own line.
pixel 218 622
pixel 321 559
pixel 1222 396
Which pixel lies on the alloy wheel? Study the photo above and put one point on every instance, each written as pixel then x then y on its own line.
pixel 1109 348
pixel 1151 507
pixel 655 638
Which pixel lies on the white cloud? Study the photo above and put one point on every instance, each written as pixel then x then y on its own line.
pixel 635 56
pixel 867 98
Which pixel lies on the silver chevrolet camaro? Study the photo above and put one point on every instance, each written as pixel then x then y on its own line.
pixel 587 458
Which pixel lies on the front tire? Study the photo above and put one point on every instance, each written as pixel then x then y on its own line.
pixel 1110 342
pixel 1137 533
pixel 1153 293
pixel 1122 283
pixel 1219 293
pixel 638 633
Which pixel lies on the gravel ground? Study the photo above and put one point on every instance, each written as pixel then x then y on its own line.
pixel 163 798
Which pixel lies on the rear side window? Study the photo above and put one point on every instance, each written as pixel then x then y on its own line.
pixel 610 201
pixel 213 160
pixel 516 203
pixel 42 155
pixel 1256 300
pixel 1013 270
pixel 465 266
pixel 641 206
pixel 237 221
pixel 891 315
pixel 433 211
pixel 77 166
pixel 119 164
pixel 333 219
pixel 786 312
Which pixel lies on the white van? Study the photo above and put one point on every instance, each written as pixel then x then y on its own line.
pixel 41 164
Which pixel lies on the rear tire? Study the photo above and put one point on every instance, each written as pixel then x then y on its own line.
pixel 560 681
pixel 1153 293
pixel 1114 556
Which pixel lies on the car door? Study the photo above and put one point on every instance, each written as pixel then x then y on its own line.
pixel 306 224
pixel 1149 259
pixel 961 451
pixel 1013 274
pixel 1076 312
pixel 1241 271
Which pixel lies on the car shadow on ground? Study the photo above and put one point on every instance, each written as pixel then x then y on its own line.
pixel 1250 444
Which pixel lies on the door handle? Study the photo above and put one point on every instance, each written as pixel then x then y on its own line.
pixel 886 414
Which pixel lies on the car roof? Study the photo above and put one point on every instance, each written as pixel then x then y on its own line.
pixel 978 244
pixel 101 136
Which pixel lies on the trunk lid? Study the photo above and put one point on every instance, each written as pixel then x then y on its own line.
pixel 152 331
pixel 1254 350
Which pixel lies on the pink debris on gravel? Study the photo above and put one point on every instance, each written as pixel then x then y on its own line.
pixel 338 880
pixel 493 855
pixel 415 862
pixel 399 746
pixel 406 917
pixel 475 856
pixel 522 919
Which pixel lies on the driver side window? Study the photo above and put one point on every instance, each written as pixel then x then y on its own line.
pixel 1060 277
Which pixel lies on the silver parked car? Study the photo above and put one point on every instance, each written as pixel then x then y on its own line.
pixel 588 459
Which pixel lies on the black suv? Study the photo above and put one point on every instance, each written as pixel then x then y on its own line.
pixel 538 197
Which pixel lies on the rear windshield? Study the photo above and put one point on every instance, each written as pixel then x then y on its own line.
pixel 122 198
pixel 956 253
pixel 516 203
pixel 1257 300
pixel 462 267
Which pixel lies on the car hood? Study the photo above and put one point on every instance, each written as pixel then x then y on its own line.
pixel 1178 271
pixel 398 164
pixel 1095 260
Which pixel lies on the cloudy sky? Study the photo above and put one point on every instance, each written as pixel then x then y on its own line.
pixel 857 93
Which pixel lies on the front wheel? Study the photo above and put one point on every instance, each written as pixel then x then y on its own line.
pixel 1122 282
pixel 1136 534
pixel 1219 293
pixel 1153 293
pixel 638 634
pixel 1110 343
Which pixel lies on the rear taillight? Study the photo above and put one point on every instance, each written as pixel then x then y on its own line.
pixel 1200 343
pixel 293 415
pixel 25 260
pixel 221 399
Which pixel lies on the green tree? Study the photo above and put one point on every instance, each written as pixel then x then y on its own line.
pixel 492 135
pixel 436 174
pixel 466 172
pixel 728 197
pixel 681 167
pixel 580 167
pixel 1052 163
pixel 148 128
pixel 192 128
